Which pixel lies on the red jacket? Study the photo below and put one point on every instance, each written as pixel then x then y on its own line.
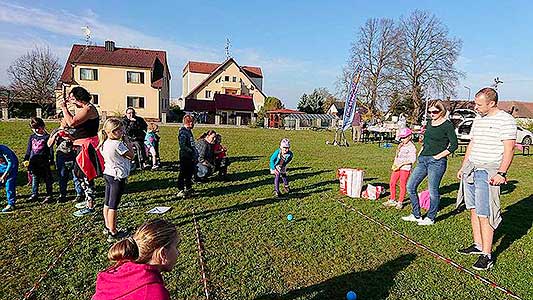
pixel 131 281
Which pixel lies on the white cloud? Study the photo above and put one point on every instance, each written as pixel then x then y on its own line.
pixel 287 76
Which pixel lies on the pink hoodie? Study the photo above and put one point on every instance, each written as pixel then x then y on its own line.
pixel 131 281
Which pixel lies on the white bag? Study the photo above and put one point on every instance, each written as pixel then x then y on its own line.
pixel 372 192
pixel 351 181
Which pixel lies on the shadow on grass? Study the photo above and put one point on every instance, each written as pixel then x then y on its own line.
pixel 517 221
pixel 372 284
pixel 254 173
pixel 446 201
pixel 237 188
pixel 299 193
pixel 244 158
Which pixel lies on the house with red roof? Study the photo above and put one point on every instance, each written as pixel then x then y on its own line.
pixel 118 78
pixel 225 93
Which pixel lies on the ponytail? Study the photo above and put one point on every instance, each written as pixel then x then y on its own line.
pixel 102 137
pixel 125 249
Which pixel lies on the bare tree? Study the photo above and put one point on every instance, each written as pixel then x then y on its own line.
pixel 34 75
pixel 427 57
pixel 375 50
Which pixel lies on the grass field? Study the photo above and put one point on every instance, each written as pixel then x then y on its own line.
pixel 252 251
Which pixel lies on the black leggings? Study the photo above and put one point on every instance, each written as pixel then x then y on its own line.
pixel 113 191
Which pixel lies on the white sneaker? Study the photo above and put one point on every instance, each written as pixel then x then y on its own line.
pixel 411 218
pixel 426 221
pixel 389 203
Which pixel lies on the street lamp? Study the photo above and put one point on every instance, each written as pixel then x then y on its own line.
pixel 468 88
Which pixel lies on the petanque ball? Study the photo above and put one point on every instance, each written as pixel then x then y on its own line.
pixel 351 295
pixel 290 217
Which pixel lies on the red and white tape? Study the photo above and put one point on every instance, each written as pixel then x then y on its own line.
pixel 432 252
pixel 201 260
pixel 50 266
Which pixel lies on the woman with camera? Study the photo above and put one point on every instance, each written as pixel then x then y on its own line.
pixel 89 162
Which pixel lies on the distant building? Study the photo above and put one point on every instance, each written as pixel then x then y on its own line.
pixel 223 93
pixel 119 78
pixel 337 108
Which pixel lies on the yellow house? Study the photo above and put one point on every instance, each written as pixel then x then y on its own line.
pixel 223 93
pixel 118 78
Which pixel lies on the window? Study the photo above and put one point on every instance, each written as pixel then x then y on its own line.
pixel 135 102
pixel 234 79
pixel 208 94
pixel 135 77
pixel 226 78
pixel 94 99
pixel 218 80
pixel 88 74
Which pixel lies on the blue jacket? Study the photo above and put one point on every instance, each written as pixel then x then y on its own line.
pixel 276 157
pixel 11 160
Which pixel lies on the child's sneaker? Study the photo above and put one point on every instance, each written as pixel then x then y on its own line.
pixel 81 205
pixel 62 199
pixel 8 208
pixel 84 211
pixel 47 200
pixel 399 205
pixel 33 198
pixel 277 194
pixel 484 262
pixel 77 199
pixel 181 194
pixel 112 238
pixel 286 189
pixel 389 203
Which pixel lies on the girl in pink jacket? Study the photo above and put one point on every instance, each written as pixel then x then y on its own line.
pixel 401 168
pixel 139 261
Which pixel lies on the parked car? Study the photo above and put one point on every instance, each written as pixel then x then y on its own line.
pixel 462 130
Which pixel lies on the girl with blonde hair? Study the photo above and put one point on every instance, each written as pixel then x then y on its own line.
pixel 138 263
pixel 117 152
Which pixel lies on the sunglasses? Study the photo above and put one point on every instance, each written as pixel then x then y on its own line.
pixel 433 112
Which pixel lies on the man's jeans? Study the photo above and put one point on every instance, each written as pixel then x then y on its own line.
pixel 65 167
pixel 434 170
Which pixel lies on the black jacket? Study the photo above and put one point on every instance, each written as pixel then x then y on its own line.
pixel 135 129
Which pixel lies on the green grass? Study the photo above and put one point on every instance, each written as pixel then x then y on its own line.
pixel 252 251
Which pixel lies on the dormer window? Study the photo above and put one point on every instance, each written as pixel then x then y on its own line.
pixel 226 78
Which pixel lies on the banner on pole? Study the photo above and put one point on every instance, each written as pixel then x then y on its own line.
pixel 351 99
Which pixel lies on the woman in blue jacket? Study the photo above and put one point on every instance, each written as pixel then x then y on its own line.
pixel 278 165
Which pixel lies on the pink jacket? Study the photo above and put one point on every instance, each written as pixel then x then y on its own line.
pixel 131 281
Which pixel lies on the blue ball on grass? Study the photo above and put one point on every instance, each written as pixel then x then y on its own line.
pixel 351 295
pixel 290 217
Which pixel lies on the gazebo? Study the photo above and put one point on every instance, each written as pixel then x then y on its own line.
pixel 275 117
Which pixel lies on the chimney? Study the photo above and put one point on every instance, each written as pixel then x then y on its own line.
pixel 110 46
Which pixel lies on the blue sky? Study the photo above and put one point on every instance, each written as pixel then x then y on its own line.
pixel 300 45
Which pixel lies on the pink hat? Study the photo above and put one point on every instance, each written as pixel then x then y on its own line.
pixel 405 132
pixel 285 143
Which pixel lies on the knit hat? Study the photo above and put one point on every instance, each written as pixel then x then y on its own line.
pixel 405 132
pixel 285 143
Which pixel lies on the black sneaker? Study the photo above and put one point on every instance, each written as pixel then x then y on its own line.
pixel 483 263
pixel 472 250
pixel 33 198
pixel 112 238
pixel 62 199
pixel 277 194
